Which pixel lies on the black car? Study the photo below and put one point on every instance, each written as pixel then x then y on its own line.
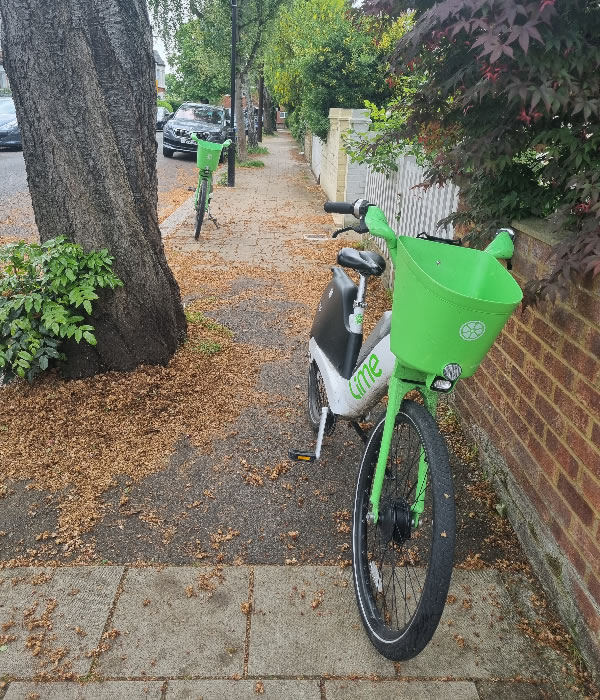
pixel 206 121
pixel 10 134
pixel 162 117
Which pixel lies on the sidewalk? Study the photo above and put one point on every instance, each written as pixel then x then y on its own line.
pixel 270 611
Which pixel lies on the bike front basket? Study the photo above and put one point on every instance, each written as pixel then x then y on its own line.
pixel 208 155
pixel 450 304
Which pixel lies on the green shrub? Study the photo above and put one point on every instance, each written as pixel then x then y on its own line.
pixel 165 104
pixel 251 164
pixel 44 289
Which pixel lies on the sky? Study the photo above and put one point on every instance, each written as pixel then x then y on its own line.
pixel 160 47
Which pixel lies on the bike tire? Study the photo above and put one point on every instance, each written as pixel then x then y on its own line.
pixel 316 399
pixel 200 209
pixel 402 634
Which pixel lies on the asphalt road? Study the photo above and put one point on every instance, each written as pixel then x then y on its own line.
pixel 16 212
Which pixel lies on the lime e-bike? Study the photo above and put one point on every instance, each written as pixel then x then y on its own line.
pixel 208 157
pixel 449 304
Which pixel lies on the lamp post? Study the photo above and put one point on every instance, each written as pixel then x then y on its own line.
pixel 231 155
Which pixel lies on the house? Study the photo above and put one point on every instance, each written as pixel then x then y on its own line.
pixel 160 74
pixel 281 116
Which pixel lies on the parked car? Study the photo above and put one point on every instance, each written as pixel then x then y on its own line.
pixel 162 117
pixel 10 134
pixel 206 121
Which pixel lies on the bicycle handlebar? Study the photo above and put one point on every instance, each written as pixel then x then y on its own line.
pixel 195 138
pixel 339 207
pixel 358 208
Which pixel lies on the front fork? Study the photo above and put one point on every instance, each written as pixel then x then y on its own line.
pixel 400 384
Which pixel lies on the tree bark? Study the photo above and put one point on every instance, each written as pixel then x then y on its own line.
pixel 252 140
pixel 268 113
pixel 242 145
pixel 83 80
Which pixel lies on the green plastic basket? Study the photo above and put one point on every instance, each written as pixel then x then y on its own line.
pixel 449 305
pixel 208 155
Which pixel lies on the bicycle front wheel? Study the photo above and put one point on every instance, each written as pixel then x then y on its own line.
pixel 200 208
pixel 402 571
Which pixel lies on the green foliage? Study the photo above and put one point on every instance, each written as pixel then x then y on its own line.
pixel 165 104
pixel 46 294
pixel 200 56
pixel 197 317
pixel 250 164
pixel 207 347
pixel 508 108
pixel 322 55
pixel 257 150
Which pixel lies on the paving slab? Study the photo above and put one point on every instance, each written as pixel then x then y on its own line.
pixel 515 690
pixel 400 690
pixel 170 625
pixel 478 636
pixel 305 623
pixel 243 689
pixel 60 613
pixel 109 690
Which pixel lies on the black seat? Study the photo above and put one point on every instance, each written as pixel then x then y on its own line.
pixel 363 261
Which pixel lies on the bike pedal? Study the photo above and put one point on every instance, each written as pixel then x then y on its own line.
pixel 301 456
pixel 191 189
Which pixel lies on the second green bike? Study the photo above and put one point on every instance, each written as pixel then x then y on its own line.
pixel 207 159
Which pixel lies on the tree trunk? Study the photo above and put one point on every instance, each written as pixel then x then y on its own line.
pixel 261 105
pixel 242 146
pixel 83 80
pixel 252 140
pixel 268 113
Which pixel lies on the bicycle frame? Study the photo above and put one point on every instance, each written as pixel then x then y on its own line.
pixel 204 174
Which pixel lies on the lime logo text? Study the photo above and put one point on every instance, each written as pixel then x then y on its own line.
pixel 367 373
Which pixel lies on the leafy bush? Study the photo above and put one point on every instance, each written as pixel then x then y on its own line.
pixel 508 107
pixel 322 54
pixel 43 291
pixel 165 104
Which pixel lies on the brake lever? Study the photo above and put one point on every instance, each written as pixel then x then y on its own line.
pixel 335 234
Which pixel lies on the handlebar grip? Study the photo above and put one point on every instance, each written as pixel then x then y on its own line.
pixel 339 207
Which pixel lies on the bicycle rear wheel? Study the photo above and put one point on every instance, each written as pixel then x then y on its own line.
pixel 401 572
pixel 200 208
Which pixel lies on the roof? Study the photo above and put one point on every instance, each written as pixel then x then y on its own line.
pixel 158 59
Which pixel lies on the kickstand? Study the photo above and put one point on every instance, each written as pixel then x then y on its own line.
pixel 212 218
pixel 361 433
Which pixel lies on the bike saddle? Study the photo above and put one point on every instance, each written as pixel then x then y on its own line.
pixel 363 261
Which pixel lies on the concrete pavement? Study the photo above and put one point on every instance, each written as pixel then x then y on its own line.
pixel 288 632
pixel 284 632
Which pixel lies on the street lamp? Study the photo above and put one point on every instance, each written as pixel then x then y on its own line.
pixel 231 156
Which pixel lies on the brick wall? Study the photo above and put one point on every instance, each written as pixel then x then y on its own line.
pixel 534 408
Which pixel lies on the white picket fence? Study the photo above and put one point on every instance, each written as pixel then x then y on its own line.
pixel 411 211
pixel 317 149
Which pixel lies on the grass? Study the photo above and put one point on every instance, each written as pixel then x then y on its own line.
pixel 251 164
pixel 200 319
pixel 207 347
pixel 258 150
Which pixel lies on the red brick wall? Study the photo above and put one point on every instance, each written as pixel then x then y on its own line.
pixel 536 397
